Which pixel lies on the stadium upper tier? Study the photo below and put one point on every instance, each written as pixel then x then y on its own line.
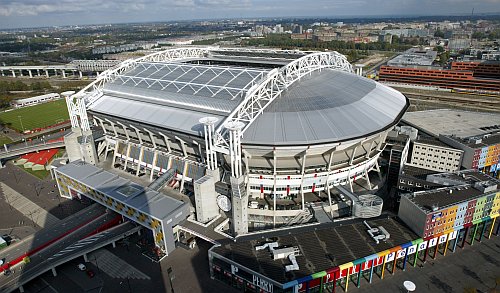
pixel 308 101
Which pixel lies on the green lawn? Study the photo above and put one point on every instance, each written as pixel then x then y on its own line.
pixel 4 139
pixel 38 116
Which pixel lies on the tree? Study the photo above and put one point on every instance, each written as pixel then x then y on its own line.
pixel 439 49
pixel 439 34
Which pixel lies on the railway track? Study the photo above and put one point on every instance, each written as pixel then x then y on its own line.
pixel 490 104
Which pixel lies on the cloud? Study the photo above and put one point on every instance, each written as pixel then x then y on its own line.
pixel 40 7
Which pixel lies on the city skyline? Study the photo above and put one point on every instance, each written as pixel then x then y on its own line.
pixel 40 13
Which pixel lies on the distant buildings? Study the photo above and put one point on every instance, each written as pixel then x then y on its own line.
pixel 419 57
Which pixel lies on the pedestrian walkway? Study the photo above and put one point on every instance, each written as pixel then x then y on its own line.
pixel 28 208
pixel 114 266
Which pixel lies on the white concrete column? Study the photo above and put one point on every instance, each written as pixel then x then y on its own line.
pixel 46 73
pixel 63 73
pixel 114 244
pixel 54 273
pixel 31 74
pixel 13 73
pixel 80 73
pixel 21 72
pixel 141 154
pixel 3 74
pixel 127 156
pixel 153 165
pixel 304 157
pixel 85 257
pixel 38 72
pixel 114 153
pixel 21 289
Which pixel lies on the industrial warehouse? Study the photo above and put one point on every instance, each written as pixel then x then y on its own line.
pixel 279 151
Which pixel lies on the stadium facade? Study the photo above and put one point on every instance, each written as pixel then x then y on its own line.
pixel 247 131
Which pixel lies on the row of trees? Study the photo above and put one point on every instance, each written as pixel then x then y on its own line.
pixel 11 86
pixel 6 89
pixel 284 41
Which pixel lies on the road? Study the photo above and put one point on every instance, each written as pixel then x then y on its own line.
pixel 44 235
pixel 38 262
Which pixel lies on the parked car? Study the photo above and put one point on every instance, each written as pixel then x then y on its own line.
pixel 82 267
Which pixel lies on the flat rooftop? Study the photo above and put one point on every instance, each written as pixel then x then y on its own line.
pixel 143 199
pixel 448 122
pixel 414 56
pixel 462 190
pixel 433 141
pixel 479 141
pixel 321 248
pixel 443 198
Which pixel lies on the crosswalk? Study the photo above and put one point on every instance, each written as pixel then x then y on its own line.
pixel 28 208
pixel 79 244
pixel 114 266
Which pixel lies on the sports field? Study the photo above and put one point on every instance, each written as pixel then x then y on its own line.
pixel 37 116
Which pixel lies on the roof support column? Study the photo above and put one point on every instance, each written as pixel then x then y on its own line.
pixel 141 154
pixel 124 129
pixel 208 127
pixel 327 184
pixel 115 153
pixel 127 155
pixel 183 146
pixel 304 157
pixel 235 128
pixel 352 155
pixel 137 132
pixel 184 172
pixel 152 137
pixel 112 126
pixel 102 124
pixel 167 142
pixel 370 150
pixel 153 165
pixel 367 177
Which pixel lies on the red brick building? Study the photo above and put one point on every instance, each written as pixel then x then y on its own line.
pixel 478 76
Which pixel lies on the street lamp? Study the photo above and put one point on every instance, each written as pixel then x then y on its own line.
pixel 21 121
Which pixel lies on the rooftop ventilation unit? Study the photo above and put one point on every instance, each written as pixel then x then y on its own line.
pixel 283 252
pixel 378 233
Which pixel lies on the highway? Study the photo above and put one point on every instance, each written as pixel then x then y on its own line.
pixel 75 250
pixel 42 261
pixel 45 235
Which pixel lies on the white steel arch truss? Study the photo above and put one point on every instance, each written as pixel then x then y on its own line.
pixel 262 95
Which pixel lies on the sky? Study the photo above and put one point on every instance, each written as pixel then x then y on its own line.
pixel 37 13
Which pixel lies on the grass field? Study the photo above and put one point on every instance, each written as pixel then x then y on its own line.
pixel 4 139
pixel 38 116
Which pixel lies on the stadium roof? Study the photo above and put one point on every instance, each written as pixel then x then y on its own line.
pixel 322 106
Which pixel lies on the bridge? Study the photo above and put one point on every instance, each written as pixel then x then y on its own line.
pixel 75 68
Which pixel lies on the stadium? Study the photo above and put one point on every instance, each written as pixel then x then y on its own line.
pixel 253 135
